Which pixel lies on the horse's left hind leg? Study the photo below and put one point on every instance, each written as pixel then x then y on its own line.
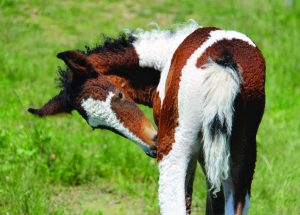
pixel 177 170
pixel 189 184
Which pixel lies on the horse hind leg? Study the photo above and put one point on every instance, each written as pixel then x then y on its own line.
pixel 177 170
pixel 243 154
pixel 189 184
pixel 214 201
pixel 237 186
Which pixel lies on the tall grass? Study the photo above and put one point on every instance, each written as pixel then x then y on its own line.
pixel 37 156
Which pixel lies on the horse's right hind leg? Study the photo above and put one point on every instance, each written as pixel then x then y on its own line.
pixel 176 171
pixel 237 187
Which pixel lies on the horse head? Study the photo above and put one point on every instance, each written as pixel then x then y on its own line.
pixel 101 103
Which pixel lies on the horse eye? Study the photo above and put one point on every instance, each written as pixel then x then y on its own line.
pixel 120 94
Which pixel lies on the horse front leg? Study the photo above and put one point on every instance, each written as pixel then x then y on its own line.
pixel 176 168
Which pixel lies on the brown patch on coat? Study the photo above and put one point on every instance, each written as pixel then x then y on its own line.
pixel 156 107
pixel 247 57
pixel 122 69
pixel 105 62
pixel 168 117
pixel 96 88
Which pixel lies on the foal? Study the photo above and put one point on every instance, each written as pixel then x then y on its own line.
pixel 99 102
pixel 206 87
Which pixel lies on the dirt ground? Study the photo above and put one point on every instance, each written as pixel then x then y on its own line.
pixel 95 200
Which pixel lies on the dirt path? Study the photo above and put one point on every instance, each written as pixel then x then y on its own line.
pixel 91 199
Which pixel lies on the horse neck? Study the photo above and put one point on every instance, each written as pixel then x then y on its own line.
pixel 155 48
pixel 122 68
pixel 141 67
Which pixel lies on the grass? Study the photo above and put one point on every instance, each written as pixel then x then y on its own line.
pixel 41 160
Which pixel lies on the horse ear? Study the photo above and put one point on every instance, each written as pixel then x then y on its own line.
pixel 54 106
pixel 77 62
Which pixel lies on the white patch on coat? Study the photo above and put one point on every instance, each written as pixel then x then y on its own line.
pixel 173 172
pixel 99 113
pixel 156 48
pixel 204 94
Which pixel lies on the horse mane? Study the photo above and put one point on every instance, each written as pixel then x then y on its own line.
pixel 126 38
pixel 110 44
pixel 121 42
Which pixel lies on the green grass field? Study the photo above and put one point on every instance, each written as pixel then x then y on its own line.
pixel 60 166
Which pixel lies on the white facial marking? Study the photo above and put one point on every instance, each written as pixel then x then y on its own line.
pixel 99 113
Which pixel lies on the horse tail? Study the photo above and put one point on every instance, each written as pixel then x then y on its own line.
pixel 222 84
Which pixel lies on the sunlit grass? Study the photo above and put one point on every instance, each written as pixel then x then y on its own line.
pixel 37 156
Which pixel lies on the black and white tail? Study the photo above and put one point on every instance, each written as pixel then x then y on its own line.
pixel 221 84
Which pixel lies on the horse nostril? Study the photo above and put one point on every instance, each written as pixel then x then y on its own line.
pixel 152 153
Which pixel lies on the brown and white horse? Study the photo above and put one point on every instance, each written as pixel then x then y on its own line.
pixel 206 87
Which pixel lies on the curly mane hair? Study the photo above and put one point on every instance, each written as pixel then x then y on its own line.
pixel 111 44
